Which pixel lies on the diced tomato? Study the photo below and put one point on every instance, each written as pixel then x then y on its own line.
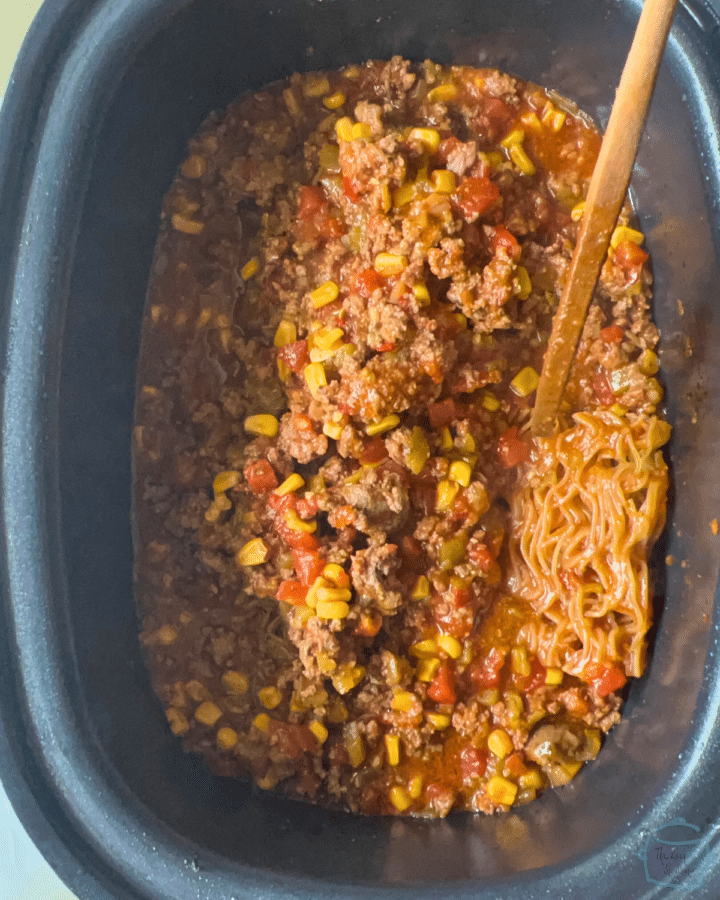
pixel 613 334
pixel 368 624
pixel 630 256
pixel 442 687
pixel 461 597
pixel 301 422
pixel 298 540
pixel 367 281
pixel 515 766
pixel 374 453
pixel 473 763
pixel 344 516
pixel 475 196
pixel 442 414
pixel 607 679
pixel 602 389
pixel 311 201
pixel 537 676
pixel 485 673
pixel 292 592
pixel 352 188
pixel 385 347
pixel 493 117
pixel 511 449
pixel 306 507
pixel 295 355
pixel 504 239
pixel 330 228
pixel 280 502
pixel 308 565
pixel 482 556
pixel 260 477
pixel 291 740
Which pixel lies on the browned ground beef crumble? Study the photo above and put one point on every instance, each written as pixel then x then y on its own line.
pixel 352 291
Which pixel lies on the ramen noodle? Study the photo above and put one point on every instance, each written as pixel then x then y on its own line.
pixel 360 579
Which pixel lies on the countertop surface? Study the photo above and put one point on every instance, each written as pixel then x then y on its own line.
pixel 24 874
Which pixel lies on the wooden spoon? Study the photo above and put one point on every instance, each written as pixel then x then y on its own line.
pixel 606 194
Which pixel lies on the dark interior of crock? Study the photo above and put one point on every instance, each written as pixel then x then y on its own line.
pixel 198 60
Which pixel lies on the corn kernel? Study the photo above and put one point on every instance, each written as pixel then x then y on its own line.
pixel 297 524
pixel 355 747
pixel 625 233
pixel 421 294
pixel 577 212
pixel 326 293
pixel 386 424
pixel 402 701
pixel 347 677
pixel 319 730
pixel 439 721
pixel 315 85
pixel 450 645
pixel 399 798
pixel 446 492
pixel 194 166
pixel 291 102
pixel 235 682
pixel 334 594
pixel 514 138
pixel 525 382
pixel 427 669
pixel 554 676
pixel 649 363
pixel 500 790
pixel 421 589
pixel 530 779
pixel 166 635
pixel 429 138
pixel 292 483
pixel 332 430
pixel 263 424
pixel 223 481
pixel 270 697
pixel 443 181
pixel 343 128
pixel 176 720
pixel 424 649
pixel 443 93
pixel 262 722
pixel 495 159
pixel 250 268
pixel 196 690
pixel 361 131
pixel 446 440
pixel 337 712
pixel 286 333
pixel 315 377
pixel 332 609
pixel 522 160
pixel 187 226
pixel 524 283
pixel 326 664
pixel 337 575
pixel 418 451
pixel 334 101
pixel 392 748
pixel 404 194
pixel 208 712
pixel 460 472
pixel 227 738
pixel 388 264
pixel 254 553
pixel 519 662
pixel 415 786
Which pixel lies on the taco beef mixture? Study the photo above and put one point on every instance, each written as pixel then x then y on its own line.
pixel 361 581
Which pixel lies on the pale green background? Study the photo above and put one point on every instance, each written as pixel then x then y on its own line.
pixel 24 875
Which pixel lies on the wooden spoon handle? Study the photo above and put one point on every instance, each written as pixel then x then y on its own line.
pixel 606 194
